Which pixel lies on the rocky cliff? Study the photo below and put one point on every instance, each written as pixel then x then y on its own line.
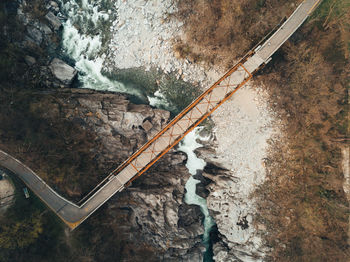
pixel 73 137
pixel 154 203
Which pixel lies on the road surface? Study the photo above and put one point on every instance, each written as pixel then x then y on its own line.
pixel 73 214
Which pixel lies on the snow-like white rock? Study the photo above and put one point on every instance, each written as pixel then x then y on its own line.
pixel 143 36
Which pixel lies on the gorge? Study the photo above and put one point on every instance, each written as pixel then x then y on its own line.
pixel 129 79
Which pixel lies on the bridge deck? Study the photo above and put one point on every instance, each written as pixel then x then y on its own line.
pixel 147 155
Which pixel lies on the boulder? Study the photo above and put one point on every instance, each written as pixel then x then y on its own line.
pixel 22 16
pixel 201 190
pixel 54 21
pixel 45 29
pixel 63 72
pixel 35 34
pixel 29 60
pixel 178 158
pixel 147 125
pixel 53 4
pixel 189 215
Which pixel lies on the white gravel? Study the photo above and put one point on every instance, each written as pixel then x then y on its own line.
pixel 243 126
pixel 346 185
pixel 142 36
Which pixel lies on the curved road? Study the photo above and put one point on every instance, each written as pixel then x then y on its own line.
pixel 146 156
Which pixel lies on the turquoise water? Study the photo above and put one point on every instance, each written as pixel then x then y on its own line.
pixel 82 43
pixel 194 164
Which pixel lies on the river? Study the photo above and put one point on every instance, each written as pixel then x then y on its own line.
pixel 194 164
pixel 83 43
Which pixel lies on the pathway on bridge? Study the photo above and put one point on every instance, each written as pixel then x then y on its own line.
pixel 182 124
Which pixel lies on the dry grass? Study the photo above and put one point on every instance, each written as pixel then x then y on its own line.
pixel 303 203
pixel 220 31
pixel 61 151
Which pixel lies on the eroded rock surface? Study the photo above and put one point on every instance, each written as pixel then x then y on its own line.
pixel 52 19
pixel 63 72
pixel 235 167
pixel 75 137
pixel 156 207
pixel 154 204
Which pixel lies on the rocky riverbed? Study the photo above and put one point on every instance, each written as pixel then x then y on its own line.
pixel 141 36
pixel 153 207
pixel 235 169
pixel 93 132
pixel 243 125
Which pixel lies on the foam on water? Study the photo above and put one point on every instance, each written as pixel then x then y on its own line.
pixel 188 145
pixel 85 48
pixel 158 100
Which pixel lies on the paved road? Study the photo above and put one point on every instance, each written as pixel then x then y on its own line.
pixel 138 163
pixel 69 212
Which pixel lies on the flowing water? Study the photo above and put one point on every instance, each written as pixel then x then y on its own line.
pixel 83 41
pixel 194 164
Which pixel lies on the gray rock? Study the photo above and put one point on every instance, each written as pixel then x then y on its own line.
pixel 201 190
pixel 28 42
pixel 152 210
pixel 53 4
pixel 132 120
pixel 54 21
pixel 178 158
pixel 189 215
pixel 29 60
pixel 45 29
pixel 7 191
pixel 63 72
pixel 147 125
pixel 35 34
pixel 22 17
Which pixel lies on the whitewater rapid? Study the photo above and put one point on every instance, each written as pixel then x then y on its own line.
pixel 82 42
pixel 194 164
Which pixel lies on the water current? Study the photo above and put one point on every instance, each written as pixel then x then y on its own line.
pixel 194 164
pixel 82 42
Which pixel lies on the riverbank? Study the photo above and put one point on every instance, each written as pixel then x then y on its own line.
pixel 73 138
pixel 237 155
pixel 240 137
pixel 249 124
pixel 302 208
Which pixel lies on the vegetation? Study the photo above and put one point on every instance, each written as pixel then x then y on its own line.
pixel 302 203
pixel 37 9
pixel 221 31
pixel 62 152
pixel 34 130
pixel 9 54
pixel 28 232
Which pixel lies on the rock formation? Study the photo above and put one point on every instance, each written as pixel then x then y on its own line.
pixel 7 192
pixel 155 201
pixel 111 128
pixel 40 44
pixel 63 72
